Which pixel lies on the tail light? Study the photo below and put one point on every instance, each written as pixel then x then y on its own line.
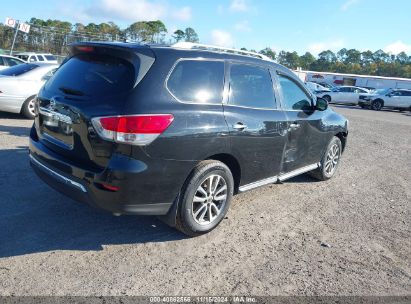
pixel 137 130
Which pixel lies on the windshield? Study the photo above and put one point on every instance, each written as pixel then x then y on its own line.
pixel 18 69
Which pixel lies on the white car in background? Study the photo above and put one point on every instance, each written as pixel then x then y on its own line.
pixel 20 84
pixel 316 88
pixel 34 57
pixel 8 61
pixel 344 94
pixel 399 99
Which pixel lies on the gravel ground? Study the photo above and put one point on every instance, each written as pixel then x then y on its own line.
pixel 270 244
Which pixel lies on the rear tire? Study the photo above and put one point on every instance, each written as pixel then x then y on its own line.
pixel 205 199
pixel 330 161
pixel 377 105
pixel 327 98
pixel 28 107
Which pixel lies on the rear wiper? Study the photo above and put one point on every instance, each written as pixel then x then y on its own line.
pixel 71 91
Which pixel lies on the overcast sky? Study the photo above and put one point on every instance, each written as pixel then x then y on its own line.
pixel 290 25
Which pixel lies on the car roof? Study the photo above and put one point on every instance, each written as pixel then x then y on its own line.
pixel 353 87
pixel 42 64
pixel 33 53
pixel 186 52
pixel 8 56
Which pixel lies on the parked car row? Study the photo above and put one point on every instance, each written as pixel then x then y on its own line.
pixel 36 57
pixel 25 57
pixel 399 99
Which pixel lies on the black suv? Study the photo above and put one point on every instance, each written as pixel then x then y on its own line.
pixel 175 131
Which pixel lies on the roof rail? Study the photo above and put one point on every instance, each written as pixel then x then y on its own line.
pixel 206 47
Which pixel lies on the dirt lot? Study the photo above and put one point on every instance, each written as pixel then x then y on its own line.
pixel 270 244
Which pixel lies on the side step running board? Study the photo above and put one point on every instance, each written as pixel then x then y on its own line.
pixel 302 170
pixel 281 177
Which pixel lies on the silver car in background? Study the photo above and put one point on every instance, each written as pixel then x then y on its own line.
pixel 9 61
pixel 20 84
pixel 344 95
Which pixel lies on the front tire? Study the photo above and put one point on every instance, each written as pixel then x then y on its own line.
pixel 377 105
pixel 28 107
pixel 330 161
pixel 327 98
pixel 206 197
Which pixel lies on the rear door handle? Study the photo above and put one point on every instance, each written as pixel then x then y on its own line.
pixel 239 126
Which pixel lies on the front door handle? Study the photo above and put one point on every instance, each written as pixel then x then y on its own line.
pixel 239 126
pixel 294 126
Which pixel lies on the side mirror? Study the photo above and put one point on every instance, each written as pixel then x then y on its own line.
pixel 321 104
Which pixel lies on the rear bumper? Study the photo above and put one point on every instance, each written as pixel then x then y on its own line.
pixel 137 183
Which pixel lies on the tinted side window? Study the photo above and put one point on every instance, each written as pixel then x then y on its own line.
pixel 197 81
pixel 345 90
pixel 40 58
pixel 1 61
pixel 12 61
pixel 406 93
pixel 50 57
pixel 294 98
pixel 251 86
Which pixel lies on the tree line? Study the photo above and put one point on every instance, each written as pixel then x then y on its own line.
pixel 350 61
pixel 55 35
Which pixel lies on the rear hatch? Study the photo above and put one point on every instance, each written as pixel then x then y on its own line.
pixel 96 80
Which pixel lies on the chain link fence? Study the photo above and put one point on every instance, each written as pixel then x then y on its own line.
pixel 48 40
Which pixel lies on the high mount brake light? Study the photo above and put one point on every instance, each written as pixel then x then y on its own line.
pixel 86 49
pixel 137 130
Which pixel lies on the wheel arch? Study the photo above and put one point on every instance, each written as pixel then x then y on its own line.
pixel 327 97
pixel 24 102
pixel 343 138
pixel 232 163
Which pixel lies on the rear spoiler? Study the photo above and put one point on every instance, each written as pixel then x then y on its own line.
pixel 140 56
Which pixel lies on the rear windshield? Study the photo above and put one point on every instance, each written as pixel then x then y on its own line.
pixel 18 69
pixel 93 75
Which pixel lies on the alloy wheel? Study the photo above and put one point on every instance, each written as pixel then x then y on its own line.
pixel 30 106
pixel 331 162
pixel 377 105
pixel 209 199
